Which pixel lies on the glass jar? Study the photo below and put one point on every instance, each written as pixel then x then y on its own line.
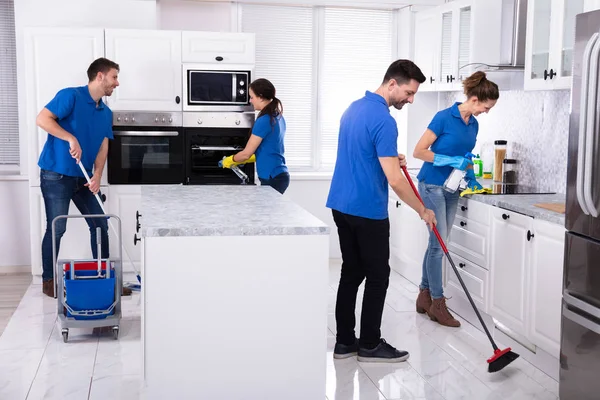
pixel 509 171
pixel 499 156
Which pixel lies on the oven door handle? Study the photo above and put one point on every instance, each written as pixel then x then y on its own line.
pixel 216 148
pixel 146 133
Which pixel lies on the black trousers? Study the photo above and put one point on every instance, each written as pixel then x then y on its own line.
pixel 365 246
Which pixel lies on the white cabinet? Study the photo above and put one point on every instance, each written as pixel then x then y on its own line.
pixel 408 240
pixel 150 69
pixel 546 279
pixel 75 243
pixel 125 202
pixel 426 44
pixel 509 268
pixel 218 47
pixel 550 41
pixel 55 58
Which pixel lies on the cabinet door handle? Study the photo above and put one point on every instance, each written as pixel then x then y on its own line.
pixel 137 215
pixel 137 226
pixel 135 239
pixel 447 79
pixel 505 216
pixel 463 223
pixel 463 208
pixel 552 73
pixel 545 74
pixel 398 204
pixel 451 78
pixel 529 236
pixel 431 80
pixel 462 265
pixel 177 99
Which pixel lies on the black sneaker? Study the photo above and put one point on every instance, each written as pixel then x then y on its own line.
pixel 384 352
pixel 345 351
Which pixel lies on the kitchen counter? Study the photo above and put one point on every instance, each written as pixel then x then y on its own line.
pixel 521 203
pixel 178 210
pixel 232 275
pixel 524 204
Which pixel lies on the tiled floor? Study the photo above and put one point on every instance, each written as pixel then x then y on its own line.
pixel 444 363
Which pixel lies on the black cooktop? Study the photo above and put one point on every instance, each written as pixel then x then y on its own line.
pixel 501 188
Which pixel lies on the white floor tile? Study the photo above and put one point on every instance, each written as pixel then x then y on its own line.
pixel 116 387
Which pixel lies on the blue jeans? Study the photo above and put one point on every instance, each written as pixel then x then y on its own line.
pixel 279 182
pixel 444 205
pixel 58 190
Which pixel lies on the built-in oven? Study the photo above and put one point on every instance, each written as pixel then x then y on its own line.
pixel 208 89
pixel 211 136
pixel 148 148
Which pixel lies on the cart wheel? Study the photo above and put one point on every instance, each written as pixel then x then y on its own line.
pixel 65 335
pixel 115 330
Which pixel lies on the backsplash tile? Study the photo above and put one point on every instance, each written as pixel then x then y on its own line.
pixel 536 126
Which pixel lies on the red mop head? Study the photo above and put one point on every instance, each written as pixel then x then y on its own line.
pixel 501 359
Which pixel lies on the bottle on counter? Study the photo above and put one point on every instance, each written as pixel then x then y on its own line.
pixel 478 166
pixel 499 156
pixel 456 178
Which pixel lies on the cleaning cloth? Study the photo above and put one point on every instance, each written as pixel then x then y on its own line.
pixel 475 191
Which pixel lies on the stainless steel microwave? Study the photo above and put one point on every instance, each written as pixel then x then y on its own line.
pixel 209 89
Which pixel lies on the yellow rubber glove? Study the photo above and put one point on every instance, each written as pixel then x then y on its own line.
pixel 227 162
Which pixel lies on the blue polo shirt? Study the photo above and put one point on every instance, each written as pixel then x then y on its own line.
pixel 359 186
pixel 270 161
pixel 78 114
pixel 454 138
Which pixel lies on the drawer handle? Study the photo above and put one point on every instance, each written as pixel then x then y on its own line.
pixel 463 223
pixel 505 216
pixel 398 204
pixel 529 236
pixel 462 265
pixel 463 208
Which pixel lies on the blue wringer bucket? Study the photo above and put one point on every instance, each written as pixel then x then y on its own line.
pixel 89 290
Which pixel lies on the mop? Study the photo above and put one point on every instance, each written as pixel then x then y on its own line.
pixel 132 286
pixel 501 358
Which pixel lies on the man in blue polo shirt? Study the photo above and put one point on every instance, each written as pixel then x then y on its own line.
pixel 367 161
pixel 79 126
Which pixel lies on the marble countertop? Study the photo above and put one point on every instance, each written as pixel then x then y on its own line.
pixel 206 210
pixel 521 203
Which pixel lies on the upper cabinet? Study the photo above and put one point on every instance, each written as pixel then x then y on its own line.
pixel 218 47
pixel 452 37
pixel 55 58
pixel 550 41
pixel 150 69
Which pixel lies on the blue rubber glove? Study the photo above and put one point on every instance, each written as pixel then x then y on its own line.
pixel 457 162
pixel 472 181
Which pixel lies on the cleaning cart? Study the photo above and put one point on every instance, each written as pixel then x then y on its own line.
pixel 88 291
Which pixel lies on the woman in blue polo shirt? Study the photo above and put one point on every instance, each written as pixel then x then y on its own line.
pixel 449 137
pixel 266 140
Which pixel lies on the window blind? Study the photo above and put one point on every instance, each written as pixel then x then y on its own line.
pixel 446 51
pixel 357 50
pixel 9 115
pixel 284 55
pixel 464 42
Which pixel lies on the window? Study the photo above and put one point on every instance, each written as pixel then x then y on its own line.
pixel 9 118
pixel 354 48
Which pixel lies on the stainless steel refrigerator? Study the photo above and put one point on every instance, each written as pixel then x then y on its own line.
pixel 580 334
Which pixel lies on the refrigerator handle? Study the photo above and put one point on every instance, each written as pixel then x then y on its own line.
pixel 583 113
pixel 590 134
pixel 582 305
pixel 579 320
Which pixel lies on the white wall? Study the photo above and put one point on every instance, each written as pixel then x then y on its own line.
pixel 196 16
pixel 14 228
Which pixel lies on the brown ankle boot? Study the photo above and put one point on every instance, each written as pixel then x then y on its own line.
pixel 423 301
pixel 48 287
pixel 439 312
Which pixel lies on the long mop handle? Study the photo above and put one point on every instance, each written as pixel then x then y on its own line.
pixel 87 177
pixel 447 253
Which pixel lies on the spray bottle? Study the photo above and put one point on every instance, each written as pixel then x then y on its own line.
pixel 456 179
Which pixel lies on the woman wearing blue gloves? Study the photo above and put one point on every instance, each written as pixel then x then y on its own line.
pixel 449 137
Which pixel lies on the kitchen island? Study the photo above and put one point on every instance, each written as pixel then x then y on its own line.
pixel 234 294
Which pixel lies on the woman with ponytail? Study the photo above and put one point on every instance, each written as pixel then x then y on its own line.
pixel 266 140
pixel 449 137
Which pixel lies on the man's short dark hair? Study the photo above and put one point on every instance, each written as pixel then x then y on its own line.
pixel 402 71
pixel 100 65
